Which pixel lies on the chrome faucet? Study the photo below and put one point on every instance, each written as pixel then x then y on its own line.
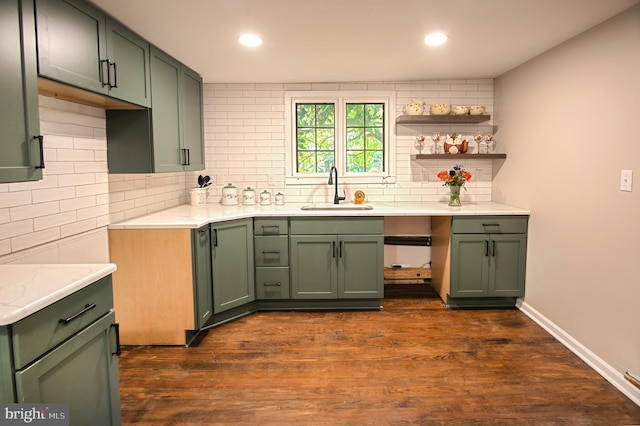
pixel 336 198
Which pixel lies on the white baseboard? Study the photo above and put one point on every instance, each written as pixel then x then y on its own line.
pixel 613 376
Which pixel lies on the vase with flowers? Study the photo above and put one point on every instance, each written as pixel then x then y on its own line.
pixel 455 179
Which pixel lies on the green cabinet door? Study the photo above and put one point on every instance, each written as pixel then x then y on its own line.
pixel 232 264
pixel 72 44
pixel 129 69
pixel 20 145
pixel 82 372
pixel 360 262
pixel 165 113
pixel 192 119
pixel 203 282
pixel 508 260
pixel 469 265
pixel 314 266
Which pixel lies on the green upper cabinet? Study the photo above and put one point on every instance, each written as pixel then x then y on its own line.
pixel 168 137
pixel 192 118
pixel 166 114
pixel 129 69
pixel 80 45
pixel 21 156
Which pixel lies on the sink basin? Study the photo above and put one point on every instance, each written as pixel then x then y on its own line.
pixel 339 207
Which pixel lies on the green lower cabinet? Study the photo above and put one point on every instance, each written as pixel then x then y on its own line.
pixel 488 267
pixel 339 266
pixel 82 372
pixel 232 264
pixel 203 288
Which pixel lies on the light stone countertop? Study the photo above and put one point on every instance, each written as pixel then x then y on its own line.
pixel 187 216
pixel 27 288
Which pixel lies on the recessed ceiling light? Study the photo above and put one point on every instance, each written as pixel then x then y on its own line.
pixel 250 40
pixel 435 39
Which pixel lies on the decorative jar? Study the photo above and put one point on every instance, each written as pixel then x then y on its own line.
pixel 248 196
pixel 229 195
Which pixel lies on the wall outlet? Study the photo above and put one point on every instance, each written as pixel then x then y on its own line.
pixel 220 179
pixel 626 177
pixel 270 180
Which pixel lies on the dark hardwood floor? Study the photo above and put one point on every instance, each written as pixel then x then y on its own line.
pixel 414 362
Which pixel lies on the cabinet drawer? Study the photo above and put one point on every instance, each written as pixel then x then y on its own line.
pixel 43 330
pixel 271 226
pixel 489 225
pixel 272 251
pixel 272 283
pixel 337 225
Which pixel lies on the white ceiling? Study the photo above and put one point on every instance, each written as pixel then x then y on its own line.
pixel 357 40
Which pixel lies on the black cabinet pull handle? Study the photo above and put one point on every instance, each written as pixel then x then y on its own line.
pixel 272 284
pixel 333 249
pixel 264 227
pixel 186 157
pixel 340 254
pixel 115 76
pixel 215 238
pixel 270 251
pixel 486 247
pixel 493 248
pixel 87 308
pixel 118 347
pixel 102 72
pixel 41 143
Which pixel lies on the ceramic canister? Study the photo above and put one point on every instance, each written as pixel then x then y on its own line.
pixel 229 195
pixel 198 196
pixel 265 198
pixel 248 196
pixel 279 199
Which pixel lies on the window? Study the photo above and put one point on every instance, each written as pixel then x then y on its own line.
pixel 349 130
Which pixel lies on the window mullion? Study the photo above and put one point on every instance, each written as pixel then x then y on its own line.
pixel 340 155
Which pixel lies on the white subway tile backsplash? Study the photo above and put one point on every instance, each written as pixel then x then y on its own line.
pixel 245 144
pixel 54 220
pixel 33 239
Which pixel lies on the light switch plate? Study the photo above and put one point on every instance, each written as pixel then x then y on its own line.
pixel 626 177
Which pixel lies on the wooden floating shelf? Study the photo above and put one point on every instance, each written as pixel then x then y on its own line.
pixel 461 156
pixel 442 119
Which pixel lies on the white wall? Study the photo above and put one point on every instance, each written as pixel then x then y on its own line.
pixel 244 134
pixel 570 121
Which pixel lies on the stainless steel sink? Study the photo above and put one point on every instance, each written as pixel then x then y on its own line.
pixel 339 207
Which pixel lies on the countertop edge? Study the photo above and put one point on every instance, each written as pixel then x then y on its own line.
pixel 39 296
pixel 193 217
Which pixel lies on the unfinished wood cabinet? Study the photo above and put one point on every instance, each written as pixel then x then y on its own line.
pixel 154 287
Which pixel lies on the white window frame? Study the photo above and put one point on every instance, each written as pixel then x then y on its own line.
pixel 340 98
